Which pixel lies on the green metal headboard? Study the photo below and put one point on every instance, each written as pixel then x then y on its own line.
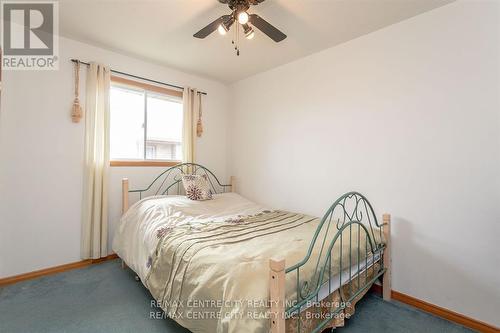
pixel 169 182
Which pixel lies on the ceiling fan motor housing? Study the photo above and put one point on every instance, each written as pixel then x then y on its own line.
pixel 240 5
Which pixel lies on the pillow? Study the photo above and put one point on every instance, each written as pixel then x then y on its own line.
pixel 197 187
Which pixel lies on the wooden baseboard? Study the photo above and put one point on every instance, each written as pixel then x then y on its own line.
pixel 54 270
pixel 439 311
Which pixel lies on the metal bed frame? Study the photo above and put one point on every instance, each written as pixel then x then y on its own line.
pixel 352 210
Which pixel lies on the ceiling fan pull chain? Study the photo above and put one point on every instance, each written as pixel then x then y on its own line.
pixel 238 38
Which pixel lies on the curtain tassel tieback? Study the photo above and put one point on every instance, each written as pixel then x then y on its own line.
pixel 199 125
pixel 76 111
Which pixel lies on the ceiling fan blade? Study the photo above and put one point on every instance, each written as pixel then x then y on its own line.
pixel 211 27
pixel 266 28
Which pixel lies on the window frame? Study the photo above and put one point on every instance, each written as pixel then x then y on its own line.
pixel 118 80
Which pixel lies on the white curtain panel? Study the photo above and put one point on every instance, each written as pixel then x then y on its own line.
pixel 191 106
pixel 95 182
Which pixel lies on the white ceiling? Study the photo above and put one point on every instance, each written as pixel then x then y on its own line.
pixel 161 30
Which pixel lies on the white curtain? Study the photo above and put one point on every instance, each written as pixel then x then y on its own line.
pixel 191 106
pixel 95 182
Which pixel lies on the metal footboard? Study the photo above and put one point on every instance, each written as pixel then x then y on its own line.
pixel 349 250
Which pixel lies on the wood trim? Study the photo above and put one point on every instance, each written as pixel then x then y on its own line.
pixel 54 270
pixel 146 86
pixel 143 163
pixel 103 259
pixel 439 311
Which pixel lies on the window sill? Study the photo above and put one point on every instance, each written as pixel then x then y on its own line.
pixel 143 163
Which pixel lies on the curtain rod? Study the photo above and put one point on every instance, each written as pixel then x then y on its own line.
pixel 138 77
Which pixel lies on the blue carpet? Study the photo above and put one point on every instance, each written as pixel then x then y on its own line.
pixel 105 298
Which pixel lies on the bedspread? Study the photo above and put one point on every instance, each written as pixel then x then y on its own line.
pixel 213 277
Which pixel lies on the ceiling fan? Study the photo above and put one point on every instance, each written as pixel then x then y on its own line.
pixel 245 21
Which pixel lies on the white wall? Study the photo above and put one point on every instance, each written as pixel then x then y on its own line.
pixel 41 157
pixel 408 115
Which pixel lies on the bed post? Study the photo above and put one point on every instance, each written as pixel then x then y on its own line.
pixel 277 295
pixel 124 205
pixel 124 195
pixel 232 181
pixel 386 280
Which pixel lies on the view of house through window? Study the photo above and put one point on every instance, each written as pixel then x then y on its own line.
pixel 145 125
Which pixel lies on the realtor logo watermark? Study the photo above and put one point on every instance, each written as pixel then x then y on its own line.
pixel 30 35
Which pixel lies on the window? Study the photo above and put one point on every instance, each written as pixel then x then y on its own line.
pixel 146 124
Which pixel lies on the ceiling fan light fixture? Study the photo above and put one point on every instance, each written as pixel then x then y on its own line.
pixel 222 29
pixel 243 17
pixel 250 35
pixel 248 31
pixel 225 26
